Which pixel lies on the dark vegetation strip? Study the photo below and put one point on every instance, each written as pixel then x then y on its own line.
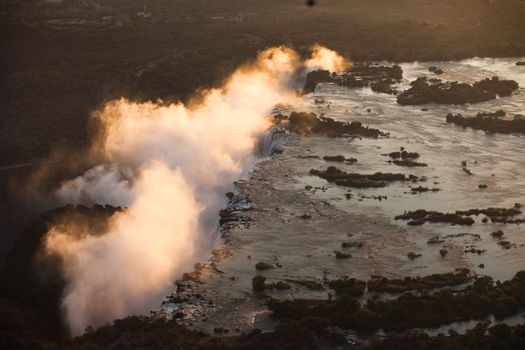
pixel 477 301
pixel 462 217
pixel 490 122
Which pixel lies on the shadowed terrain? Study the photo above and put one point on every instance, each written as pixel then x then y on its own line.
pixel 403 259
pixel 62 59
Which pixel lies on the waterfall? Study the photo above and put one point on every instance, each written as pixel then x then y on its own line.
pixel 272 140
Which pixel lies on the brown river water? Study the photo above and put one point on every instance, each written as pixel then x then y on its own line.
pixel 303 249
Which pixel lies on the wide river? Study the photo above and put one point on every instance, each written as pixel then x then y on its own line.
pixel 303 248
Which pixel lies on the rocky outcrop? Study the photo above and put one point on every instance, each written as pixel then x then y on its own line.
pixel 499 87
pixel 305 123
pixel 378 284
pixel 378 78
pixel 408 163
pixel 490 122
pixel 420 216
pixel 342 178
pixel 425 90
pixel 316 77
pixel 462 217
pixel 403 155
pixel 435 70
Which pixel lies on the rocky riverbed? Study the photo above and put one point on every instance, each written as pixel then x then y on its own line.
pixel 300 231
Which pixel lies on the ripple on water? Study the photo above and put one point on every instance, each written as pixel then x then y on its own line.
pixel 304 247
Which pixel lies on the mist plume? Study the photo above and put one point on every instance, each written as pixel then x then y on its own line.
pixel 324 58
pixel 170 165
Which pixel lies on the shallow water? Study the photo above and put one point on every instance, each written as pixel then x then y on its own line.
pixel 496 160
pixel 304 248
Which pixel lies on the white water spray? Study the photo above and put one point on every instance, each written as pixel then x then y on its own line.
pixel 170 165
